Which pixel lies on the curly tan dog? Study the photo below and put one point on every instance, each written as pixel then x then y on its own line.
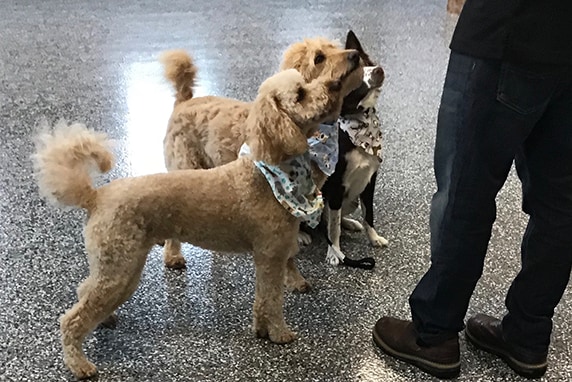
pixel 229 208
pixel 206 132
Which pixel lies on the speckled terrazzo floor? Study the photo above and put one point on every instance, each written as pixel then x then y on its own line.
pixel 95 62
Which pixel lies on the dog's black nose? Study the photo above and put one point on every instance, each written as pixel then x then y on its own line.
pixel 378 72
pixel 353 57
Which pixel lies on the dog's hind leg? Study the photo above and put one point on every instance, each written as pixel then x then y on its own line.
pixel 172 255
pixel 304 235
pixel 351 224
pixel 294 280
pixel 100 296
pixel 111 321
pixel 304 238
pixel 75 324
pixel 270 265
pixel 347 222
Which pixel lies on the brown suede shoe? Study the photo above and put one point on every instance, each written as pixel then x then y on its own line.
pixel 485 332
pixel 398 339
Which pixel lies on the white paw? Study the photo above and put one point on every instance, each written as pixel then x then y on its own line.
pixel 304 239
pixel 351 224
pixel 332 256
pixel 377 241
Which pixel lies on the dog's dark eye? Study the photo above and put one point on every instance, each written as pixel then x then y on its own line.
pixel 319 58
pixel 301 94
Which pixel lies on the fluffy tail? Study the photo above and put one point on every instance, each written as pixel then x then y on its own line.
pixel 181 72
pixel 64 160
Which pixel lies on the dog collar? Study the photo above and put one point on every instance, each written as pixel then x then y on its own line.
pixel 324 149
pixel 364 130
pixel 293 187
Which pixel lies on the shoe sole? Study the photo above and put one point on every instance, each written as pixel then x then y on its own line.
pixel 523 369
pixel 439 370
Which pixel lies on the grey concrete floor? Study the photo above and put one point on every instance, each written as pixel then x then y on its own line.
pixel 96 62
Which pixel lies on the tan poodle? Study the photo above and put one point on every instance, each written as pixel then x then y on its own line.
pixel 229 208
pixel 206 132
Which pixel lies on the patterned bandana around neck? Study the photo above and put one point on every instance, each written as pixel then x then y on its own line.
pixel 324 149
pixel 364 130
pixel 293 187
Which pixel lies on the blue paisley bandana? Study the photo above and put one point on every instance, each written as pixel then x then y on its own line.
pixel 293 187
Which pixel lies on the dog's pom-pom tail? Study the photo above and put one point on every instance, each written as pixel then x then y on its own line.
pixel 181 72
pixel 65 157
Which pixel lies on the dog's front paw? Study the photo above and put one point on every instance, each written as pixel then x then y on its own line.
pixel 175 262
pixel 304 239
pixel 282 335
pixel 375 239
pixel 82 369
pixel 300 286
pixel 351 224
pixel 278 334
pixel 333 256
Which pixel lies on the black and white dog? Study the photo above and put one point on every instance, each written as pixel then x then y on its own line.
pixel 353 180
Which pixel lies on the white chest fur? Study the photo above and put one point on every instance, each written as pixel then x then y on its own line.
pixel 361 167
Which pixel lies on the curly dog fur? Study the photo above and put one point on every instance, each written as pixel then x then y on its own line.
pixel 128 216
pixel 206 132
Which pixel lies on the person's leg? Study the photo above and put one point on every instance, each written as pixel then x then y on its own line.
pixel 486 113
pixel 544 165
pixel 480 129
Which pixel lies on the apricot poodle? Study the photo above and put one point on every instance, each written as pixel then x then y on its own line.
pixel 206 132
pixel 229 209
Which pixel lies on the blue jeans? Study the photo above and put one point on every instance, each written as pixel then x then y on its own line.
pixel 493 113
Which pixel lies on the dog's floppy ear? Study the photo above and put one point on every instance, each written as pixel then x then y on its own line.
pixel 352 42
pixel 272 136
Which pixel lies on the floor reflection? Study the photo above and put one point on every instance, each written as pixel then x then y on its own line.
pixel 149 105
